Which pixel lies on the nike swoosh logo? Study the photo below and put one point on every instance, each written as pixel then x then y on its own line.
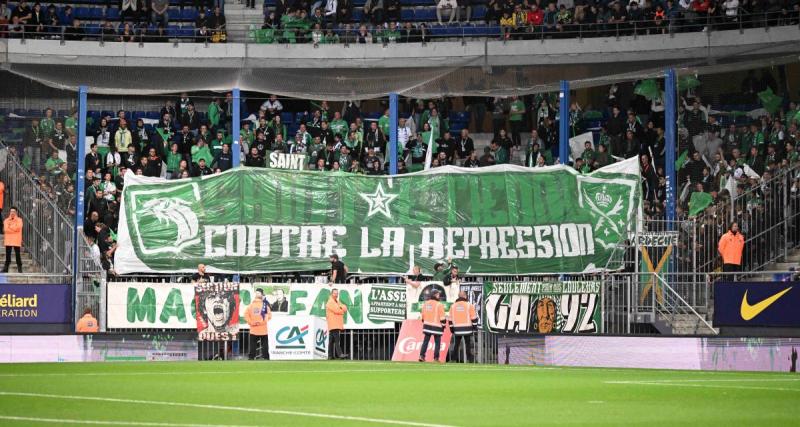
pixel 750 311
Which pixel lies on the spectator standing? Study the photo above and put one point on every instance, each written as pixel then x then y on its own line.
pixel 730 246
pixel 33 145
pixel 515 119
pixel 87 324
pixel 12 229
pixel 334 314
pixel 338 269
pixel 257 316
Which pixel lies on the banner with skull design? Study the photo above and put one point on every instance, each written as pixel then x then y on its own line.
pixel 217 311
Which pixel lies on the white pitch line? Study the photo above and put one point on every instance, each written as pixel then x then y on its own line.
pixel 709 380
pixel 226 408
pixel 110 422
pixel 268 372
pixel 696 385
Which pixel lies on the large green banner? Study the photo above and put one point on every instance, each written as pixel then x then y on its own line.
pixel 172 305
pixel 495 220
pixel 569 307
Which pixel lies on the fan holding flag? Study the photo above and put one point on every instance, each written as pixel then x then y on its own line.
pixel 258 315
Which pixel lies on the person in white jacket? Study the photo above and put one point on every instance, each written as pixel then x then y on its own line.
pixel 447 6
pixel 731 10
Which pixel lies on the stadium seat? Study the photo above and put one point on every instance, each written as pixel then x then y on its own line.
pixel 425 14
pixel 407 14
pixel 81 12
pixel 186 32
pixel 112 14
pixel 189 15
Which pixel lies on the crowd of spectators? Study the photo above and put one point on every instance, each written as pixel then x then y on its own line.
pixel 383 21
pixel 132 21
pixel 741 168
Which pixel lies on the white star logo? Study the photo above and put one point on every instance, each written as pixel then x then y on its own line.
pixel 378 201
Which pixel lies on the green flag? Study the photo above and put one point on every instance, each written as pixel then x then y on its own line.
pixel 698 202
pixel 769 100
pixel 648 89
pixel 503 219
pixel 687 82
pixel 681 162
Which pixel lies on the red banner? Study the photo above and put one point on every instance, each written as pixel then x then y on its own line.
pixel 409 343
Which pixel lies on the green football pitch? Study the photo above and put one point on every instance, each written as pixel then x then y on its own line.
pixel 264 393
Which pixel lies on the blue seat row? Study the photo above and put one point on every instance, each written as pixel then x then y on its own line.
pixel 113 14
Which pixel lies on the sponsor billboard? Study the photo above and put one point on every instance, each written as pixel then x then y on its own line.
pixel 409 343
pixel 567 307
pixel 39 303
pixel 98 347
pixel 297 338
pixel 757 304
pixel 692 353
pixel 501 219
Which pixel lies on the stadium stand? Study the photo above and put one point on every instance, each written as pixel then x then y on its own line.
pixel 402 21
pixel 738 158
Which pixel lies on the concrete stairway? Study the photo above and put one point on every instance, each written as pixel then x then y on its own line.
pixel 688 324
pixel 28 265
pixel 239 18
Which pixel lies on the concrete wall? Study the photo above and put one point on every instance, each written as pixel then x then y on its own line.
pixel 718 44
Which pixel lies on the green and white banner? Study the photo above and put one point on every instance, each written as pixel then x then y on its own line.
pixel 496 220
pixel 570 307
pixel 278 160
pixel 172 306
pixel 417 296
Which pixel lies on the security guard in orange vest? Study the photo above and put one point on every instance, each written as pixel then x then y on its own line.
pixel 464 322
pixel 87 324
pixel 257 315
pixel 433 323
pixel 334 314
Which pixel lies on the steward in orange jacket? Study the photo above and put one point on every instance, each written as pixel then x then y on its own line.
pixel 87 324
pixel 12 228
pixel 730 246
pixel 334 314
pixel 464 322
pixel 433 323
pixel 257 316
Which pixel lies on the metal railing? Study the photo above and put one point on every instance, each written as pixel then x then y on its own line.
pixel 768 216
pixel 48 232
pixel 688 22
pixel 90 284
